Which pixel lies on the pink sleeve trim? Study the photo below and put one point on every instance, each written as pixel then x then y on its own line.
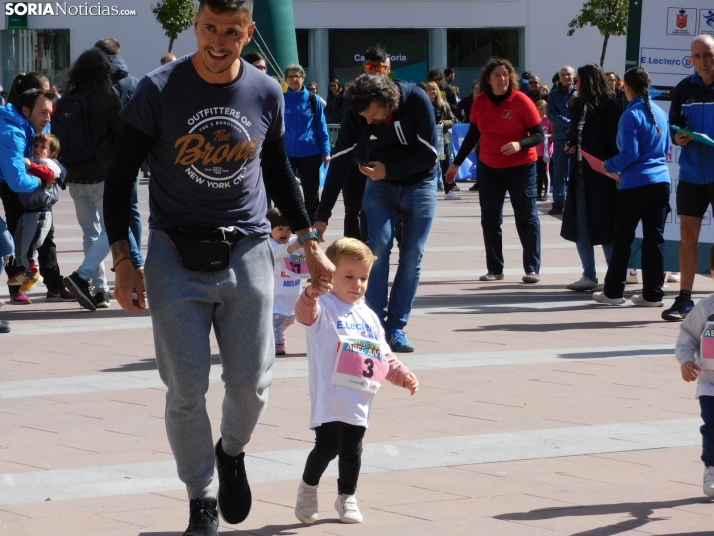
pixel 398 371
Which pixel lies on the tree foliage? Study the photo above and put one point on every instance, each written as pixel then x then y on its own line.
pixel 175 16
pixel 608 16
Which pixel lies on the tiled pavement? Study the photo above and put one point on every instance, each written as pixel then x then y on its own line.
pixel 538 413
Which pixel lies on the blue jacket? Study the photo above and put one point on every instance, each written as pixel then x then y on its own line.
pixel 559 112
pixel 305 135
pixel 406 146
pixel 693 108
pixel 643 152
pixel 16 136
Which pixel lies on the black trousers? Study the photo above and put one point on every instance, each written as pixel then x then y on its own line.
pixel 541 177
pixel 352 194
pixel 308 168
pixel 47 253
pixel 649 203
pixel 332 439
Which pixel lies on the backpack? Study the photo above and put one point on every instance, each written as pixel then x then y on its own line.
pixel 70 123
pixel 313 103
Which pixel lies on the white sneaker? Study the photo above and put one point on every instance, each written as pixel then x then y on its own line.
pixel 638 300
pixel 674 277
pixel 632 277
pixel 452 196
pixel 347 509
pixel 306 506
pixel 582 284
pixel 601 298
pixel 709 481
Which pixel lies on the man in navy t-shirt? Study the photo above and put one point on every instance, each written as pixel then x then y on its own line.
pixel 208 123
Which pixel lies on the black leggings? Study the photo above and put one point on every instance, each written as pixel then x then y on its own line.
pixel 352 194
pixel 331 439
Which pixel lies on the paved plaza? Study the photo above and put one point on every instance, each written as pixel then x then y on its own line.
pixel 539 412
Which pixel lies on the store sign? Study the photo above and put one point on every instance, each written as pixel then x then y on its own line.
pixel 16 21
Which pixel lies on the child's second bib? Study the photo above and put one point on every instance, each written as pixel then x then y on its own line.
pixel 706 349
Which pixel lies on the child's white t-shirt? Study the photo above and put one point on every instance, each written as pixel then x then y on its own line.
pixel 330 402
pixel 290 270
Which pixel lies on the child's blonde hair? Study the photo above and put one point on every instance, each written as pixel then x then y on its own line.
pixel 52 142
pixel 349 248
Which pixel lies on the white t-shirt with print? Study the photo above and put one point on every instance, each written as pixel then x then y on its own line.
pixel 330 402
pixel 290 270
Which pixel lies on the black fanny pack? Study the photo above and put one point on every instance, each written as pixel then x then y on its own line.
pixel 204 250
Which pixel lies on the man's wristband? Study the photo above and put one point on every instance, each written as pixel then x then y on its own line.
pixel 312 235
pixel 119 262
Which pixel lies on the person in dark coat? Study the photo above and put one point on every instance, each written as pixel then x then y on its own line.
pixel 589 214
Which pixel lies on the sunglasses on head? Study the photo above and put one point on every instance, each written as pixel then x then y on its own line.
pixel 375 66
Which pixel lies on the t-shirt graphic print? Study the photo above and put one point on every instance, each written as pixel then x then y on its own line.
pixel 205 160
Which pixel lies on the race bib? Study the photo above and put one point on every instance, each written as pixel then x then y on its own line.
pixel 360 365
pixel 296 265
pixel 706 349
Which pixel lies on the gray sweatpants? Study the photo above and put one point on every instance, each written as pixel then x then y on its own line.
pixel 32 229
pixel 238 304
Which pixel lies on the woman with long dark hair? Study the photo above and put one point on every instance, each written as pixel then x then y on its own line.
pixel 589 213
pixel 333 111
pixel 90 77
pixel 507 126
pixel 643 140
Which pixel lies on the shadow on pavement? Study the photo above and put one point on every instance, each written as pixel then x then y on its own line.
pixel 640 513
pixel 622 353
pixel 149 363
pixel 267 530
pixel 71 312
pixel 561 327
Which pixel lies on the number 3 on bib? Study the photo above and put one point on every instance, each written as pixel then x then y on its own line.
pixel 360 365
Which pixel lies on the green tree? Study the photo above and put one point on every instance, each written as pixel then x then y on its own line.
pixel 175 16
pixel 608 16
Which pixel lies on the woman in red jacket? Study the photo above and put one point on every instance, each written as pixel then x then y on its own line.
pixel 507 126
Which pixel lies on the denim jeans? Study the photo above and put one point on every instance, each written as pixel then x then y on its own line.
pixel 135 228
pixel 89 206
pixel 520 182
pixel 649 203
pixel 583 244
pixel 560 172
pixel 7 245
pixel 384 202
pixel 706 403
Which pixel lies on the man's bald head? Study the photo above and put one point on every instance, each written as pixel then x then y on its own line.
pixel 168 58
pixel 703 57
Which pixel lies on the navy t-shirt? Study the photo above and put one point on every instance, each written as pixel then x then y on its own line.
pixel 205 161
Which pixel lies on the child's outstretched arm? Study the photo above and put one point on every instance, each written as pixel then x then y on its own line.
pixel 400 375
pixel 689 339
pixel 307 310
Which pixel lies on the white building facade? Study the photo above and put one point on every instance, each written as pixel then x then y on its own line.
pixel 418 34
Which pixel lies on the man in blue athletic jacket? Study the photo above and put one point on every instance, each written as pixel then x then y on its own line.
pixel 390 132
pixel 17 132
pixel 693 108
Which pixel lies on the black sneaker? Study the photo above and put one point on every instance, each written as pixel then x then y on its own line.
pixel 474 188
pixel 101 300
pixel 455 188
pixel 81 290
pixel 4 327
pixel 679 310
pixel 204 518
pixel 234 497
